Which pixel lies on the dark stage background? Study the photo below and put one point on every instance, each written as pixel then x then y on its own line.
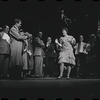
pixel 45 16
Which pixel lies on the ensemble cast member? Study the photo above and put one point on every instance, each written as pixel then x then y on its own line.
pixel 97 67
pixel 50 57
pixel 4 51
pixel 16 59
pixel 26 53
pixel 38 55
pixel 92 56
pixel 81 54
pixel 66 55
pixel 30 53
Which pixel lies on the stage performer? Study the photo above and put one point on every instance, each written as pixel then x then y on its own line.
pixel 16 59
pixel 66 55
pixel 50 57
pixel 4 51
pixel 38 55
pixel 81 52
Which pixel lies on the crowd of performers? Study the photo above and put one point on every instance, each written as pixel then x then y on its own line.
pixel 22 54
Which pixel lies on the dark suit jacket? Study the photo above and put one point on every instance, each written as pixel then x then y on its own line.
pixel 50 51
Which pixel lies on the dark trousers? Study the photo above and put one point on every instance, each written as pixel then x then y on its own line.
pixel 50 64
pixel 82 67
pixel 4 63
pixel 97 66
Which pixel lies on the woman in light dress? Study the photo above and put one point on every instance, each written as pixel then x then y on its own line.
pixel 66 55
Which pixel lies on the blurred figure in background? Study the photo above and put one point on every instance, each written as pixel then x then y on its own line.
pixel 97 67
pixel 91 59
pixel 65 20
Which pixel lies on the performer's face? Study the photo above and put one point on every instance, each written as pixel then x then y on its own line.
pixel 7 29
pixel 81 38
pixel 64 32
pixel 49 40
pixel 40 34
pixel 19 24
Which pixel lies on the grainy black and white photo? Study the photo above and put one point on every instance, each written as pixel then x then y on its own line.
pixel 49 50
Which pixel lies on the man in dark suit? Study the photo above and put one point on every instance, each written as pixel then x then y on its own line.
pixel 4 51
pixel 50 57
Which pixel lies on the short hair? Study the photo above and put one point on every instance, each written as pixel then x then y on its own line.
pixel 17 21
pixel 92 36
pixel 40 33
pixel 66 29
pixel 62 11
pixel 48 38
pixel 81 36
pixel 5 26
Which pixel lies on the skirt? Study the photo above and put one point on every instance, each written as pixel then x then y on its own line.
pixel 67 57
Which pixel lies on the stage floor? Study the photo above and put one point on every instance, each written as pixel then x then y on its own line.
pixel 50 88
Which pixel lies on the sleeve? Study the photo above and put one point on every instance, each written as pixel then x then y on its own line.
pixel 16 35
pixel 76 46
pixel 61 40
pixel 72 40
pixel 26 45
pixel 9 40
pixel 28 34
pixel 88 46
pixel 1 35
pixel 59 46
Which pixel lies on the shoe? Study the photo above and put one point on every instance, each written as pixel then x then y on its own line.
pixel 68 77
pixel 60 77
pixel 36 76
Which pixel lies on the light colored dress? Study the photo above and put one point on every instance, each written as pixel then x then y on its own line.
pixel 31 61
pixel 25 56
pixel 66 54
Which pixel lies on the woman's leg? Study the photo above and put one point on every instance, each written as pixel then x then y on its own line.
pixel 61 70
pixel 69 70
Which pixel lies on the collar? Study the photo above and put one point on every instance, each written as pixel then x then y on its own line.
pixel 16 27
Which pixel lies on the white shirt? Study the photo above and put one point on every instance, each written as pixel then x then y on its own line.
pixel 81 48
pixel 6 37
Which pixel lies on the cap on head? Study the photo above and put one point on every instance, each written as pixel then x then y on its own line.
pixel 5 27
